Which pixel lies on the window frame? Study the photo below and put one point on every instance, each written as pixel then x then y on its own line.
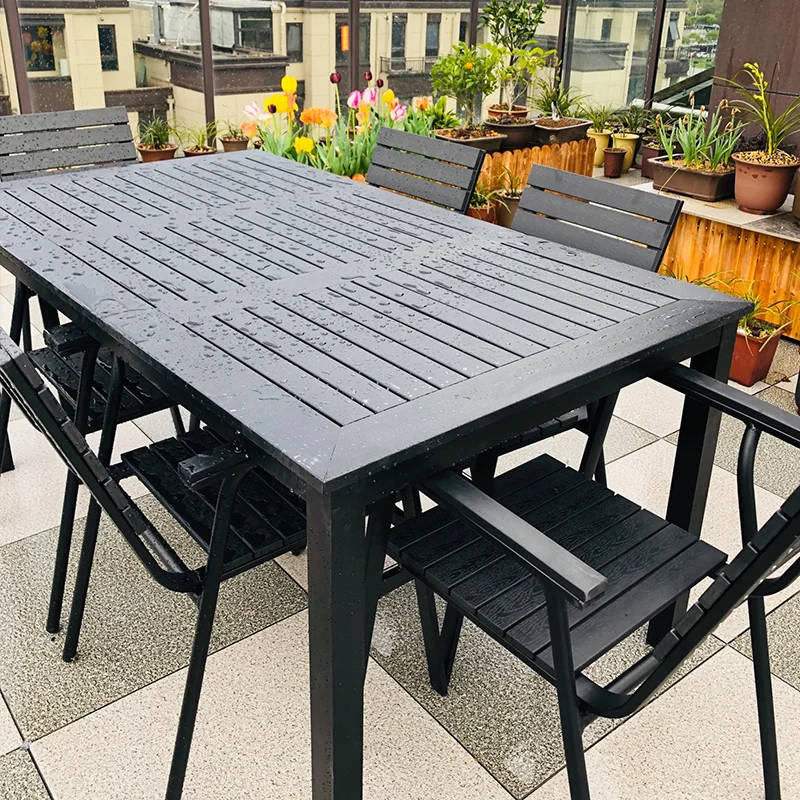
pixel 296 56
pixel 252 14
pixel 431 20
pixel 109 59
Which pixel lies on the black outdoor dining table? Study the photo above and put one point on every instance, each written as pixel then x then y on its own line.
pixel 361 338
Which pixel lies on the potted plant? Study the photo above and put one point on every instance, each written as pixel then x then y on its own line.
pixel 510 193
pixel 756 339
pixel 613 160
pixel 200 138
pixel 763 177
pixel 558 105
pixel 702 169
pixel 463 74
pixel 512 25
pixel 632 121
pixel 232 137
pixel 651 143
pixel 154 139
pixel 515 69
pixel 486 199
pixel 601 117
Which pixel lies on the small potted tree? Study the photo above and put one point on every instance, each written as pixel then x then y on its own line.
pixel 512 25
pixel 558 105
pixel 200 138
pixel 232 137
pixel 702 169
pixel 601 117
pixel 463 74
pixel 763 177
pixel 154 139
pixel 515 72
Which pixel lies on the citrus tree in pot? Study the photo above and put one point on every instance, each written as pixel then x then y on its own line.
pixel 512 25
pixel 763 177
pixel 463 74
pixel 702 168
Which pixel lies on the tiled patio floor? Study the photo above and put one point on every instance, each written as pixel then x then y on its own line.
pixel 102 728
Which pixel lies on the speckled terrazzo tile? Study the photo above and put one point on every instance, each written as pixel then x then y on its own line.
pixel 652 406
pixel 9 735
pixel 777 466
pixel 698 741
pixel 135 631
pixel 499 709
pixel 19 779
pixel 784 643
pixel 252 740
pixel 786 362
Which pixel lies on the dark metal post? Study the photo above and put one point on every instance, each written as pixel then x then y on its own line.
pixel 566 35
pixel 474 17
pixel 655 49
pixel 207 55
pixel 355 44
pixel 18 57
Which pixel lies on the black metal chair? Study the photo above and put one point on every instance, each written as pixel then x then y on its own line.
pixel 432 170
pixel 552 538
pixel 221 493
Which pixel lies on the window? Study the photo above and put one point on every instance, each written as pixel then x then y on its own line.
pixel 399 35
pixel 463 28
pixel 294 41
pixel 38 41
pixel 108 47
pixel 605 33
pixel 432 35
pixel 254 30
pixel 673 34
pixel 343 39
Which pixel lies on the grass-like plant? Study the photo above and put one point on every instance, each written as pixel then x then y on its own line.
pixel 155 133
pixel 200 136
pixel 554 99
pixel 600 115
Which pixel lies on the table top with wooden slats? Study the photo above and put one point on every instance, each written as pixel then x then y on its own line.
pixel 346 330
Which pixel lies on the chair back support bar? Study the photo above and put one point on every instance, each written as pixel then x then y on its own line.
pixel 597 216
pixel 444 173
pixel 24 384
pixel 31 144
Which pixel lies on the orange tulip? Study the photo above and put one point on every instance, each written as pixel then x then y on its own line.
pixel 249 129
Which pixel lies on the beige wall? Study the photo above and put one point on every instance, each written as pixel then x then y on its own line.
pixel 125 76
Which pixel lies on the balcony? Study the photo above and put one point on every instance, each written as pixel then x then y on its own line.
pixel 407 66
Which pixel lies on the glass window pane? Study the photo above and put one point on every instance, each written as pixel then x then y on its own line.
pixel 108 47
pixel 432 37
pixel 399 35
pixel 294 41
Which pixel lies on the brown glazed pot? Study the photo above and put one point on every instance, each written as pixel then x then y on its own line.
pixel 234 145
pixel 648 152
pixel 707 186
pixel 164 154
pixel 762 188
pixel 518 111
pixel 191 151
pixel 507 211
pixel 491 144
pixel 518 137
pixel 612 162
pixel 569 133
pixel 752 358
pixel 488 214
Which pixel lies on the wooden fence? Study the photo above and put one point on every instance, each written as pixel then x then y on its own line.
pixel 571 157
pixel 702 246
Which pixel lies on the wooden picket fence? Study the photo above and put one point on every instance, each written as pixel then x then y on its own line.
pixel 571 157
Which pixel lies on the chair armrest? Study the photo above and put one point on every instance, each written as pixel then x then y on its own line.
pixel 68 339
pixel 560 568
pixel 750 410
pixel 207 468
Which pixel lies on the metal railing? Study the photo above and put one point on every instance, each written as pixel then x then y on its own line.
pixel 413 66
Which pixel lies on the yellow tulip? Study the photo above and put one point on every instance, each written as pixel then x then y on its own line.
pixel 289 84
pixel 388 97
pixel 303 144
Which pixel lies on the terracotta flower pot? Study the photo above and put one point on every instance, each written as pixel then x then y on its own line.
pixel 762 188
pixel 162 154
pixel 650 151
pixel 628 142
pixel 501 111
pixel 234 145
pixel 193 151
pixel 601 141
pixel 486 214
pixel 613 161
pixel 752 358
pixel 507 211
pixel 707 186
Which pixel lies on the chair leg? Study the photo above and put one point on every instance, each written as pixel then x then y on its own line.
pixel 766 708
pixel 82 405
pixel 177 420
pixel 482 472
pixel 600 472
pixel 202 636
pixel 194 422
pixel 27 344
pixel 93 516
pixel 440 646
pixel 21 297
pixel 569 712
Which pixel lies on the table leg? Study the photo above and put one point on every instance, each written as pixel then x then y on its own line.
pixel 337 632
pixel 691 475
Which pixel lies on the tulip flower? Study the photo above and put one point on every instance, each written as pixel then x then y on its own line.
pixel 369 95
pixel 289 84
pixel 354 100
pixel 379 83
pixel 335 78
pixel 398 113
pixel 388 97
pixel 303 144
pixel 367 76
pixel 252 110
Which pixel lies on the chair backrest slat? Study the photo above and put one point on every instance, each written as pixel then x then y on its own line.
pixel 597 216
pixel 31 144
pixel 444 173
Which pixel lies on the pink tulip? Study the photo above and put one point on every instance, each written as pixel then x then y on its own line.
pixel 354 101
pixel 252 110
pixel 398 113
pixel 370 95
